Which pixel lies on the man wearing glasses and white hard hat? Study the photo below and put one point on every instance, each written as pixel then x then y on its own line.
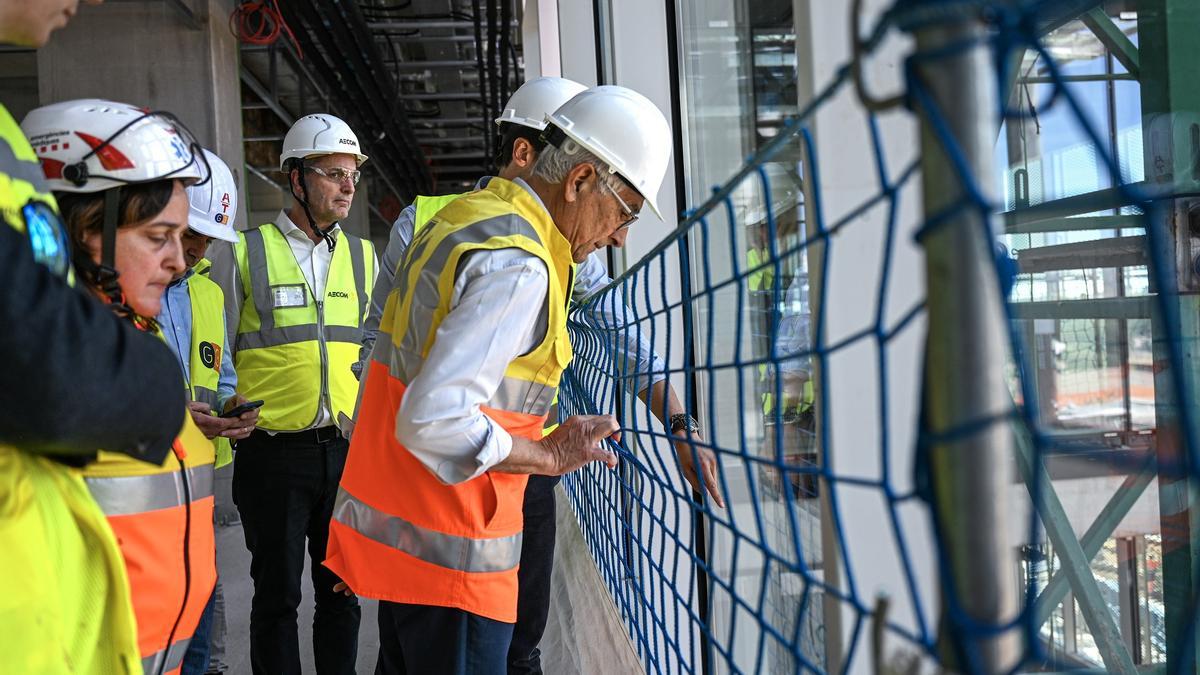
pixel 296 293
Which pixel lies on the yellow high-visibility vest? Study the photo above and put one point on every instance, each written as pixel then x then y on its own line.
pixel 158 513
pixel 406 545
pixel 294 350
pixel 428 207
pixel 207 349
pixel 64 594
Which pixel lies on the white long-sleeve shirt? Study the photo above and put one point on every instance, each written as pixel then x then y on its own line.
pixel 314 260
pixel 440 421
pixel 629 345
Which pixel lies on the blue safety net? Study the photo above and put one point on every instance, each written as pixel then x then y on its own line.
pixel 736 302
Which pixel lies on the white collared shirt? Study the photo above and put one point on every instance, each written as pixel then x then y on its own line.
pixel 439 420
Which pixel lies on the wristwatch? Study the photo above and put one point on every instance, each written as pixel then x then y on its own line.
pixel 684 421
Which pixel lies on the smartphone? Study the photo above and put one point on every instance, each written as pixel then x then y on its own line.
pixel 243 408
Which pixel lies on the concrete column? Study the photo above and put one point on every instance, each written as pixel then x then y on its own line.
pixel 146 53
pixel 539 33
pixel 577 41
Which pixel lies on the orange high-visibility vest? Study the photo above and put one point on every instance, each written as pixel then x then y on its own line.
pixel 398 532
pixel 156 513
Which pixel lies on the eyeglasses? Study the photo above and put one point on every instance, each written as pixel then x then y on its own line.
pixel 337 174
pixel 630 214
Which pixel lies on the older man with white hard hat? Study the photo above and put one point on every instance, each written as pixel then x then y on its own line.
pixel 472 345
pixel 520 127
pixel 296 292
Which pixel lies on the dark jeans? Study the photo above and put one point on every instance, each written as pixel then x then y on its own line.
pixel 284 487
pixel 420 639
pixel 216 640
pixel 533 578
pixel 195 659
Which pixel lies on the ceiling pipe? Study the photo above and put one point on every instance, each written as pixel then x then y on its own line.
pixel 387 133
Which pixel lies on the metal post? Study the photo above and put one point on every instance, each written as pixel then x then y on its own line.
pixel 967 348
pixel 1169 57
pixel 1128 597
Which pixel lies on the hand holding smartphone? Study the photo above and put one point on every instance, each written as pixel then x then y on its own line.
pixel 243 408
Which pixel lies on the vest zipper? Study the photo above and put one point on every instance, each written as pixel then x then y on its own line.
pixel 324 360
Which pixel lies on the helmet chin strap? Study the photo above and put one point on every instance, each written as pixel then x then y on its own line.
pixel 326 233
pixel 104 275
pixel 106 272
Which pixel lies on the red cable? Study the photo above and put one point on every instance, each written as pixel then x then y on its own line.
pixel 261 23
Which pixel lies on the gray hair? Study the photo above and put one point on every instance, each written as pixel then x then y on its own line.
pixel 554 163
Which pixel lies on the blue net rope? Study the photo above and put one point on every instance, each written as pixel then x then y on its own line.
pixel 743 334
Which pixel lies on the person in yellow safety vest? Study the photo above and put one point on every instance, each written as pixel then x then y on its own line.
pixel 429 511
pixel 193 314
pixel 193 322
pixel 296 295
pixel 64 599
pixel 521 125
pixel 119 174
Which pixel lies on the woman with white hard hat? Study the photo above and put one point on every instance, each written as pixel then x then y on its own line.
pixel 119 174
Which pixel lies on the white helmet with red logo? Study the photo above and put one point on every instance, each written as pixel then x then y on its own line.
pixel 212 205
pixel 90 145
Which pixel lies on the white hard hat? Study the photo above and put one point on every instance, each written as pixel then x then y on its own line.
pixel 90 145
pixel 319 134
pixel 622 128
pixel 213 204
pixel 532 101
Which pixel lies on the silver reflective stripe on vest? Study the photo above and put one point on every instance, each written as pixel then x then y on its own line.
pixel 402 365
pixel 514 394
pixel 427 294
pixel 153 664
pixel 30 172
pixel 359 270
pixel 268 335
pixel 437 548
pixel 127 495
pixel 286 335
pixel 523 396
pixel 205 395
pixel 260 281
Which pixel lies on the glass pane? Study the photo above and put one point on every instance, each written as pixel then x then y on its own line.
pixel 739 81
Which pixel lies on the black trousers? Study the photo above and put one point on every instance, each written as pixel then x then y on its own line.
pixel 420 639
pixel 284 487
pixel 533 577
